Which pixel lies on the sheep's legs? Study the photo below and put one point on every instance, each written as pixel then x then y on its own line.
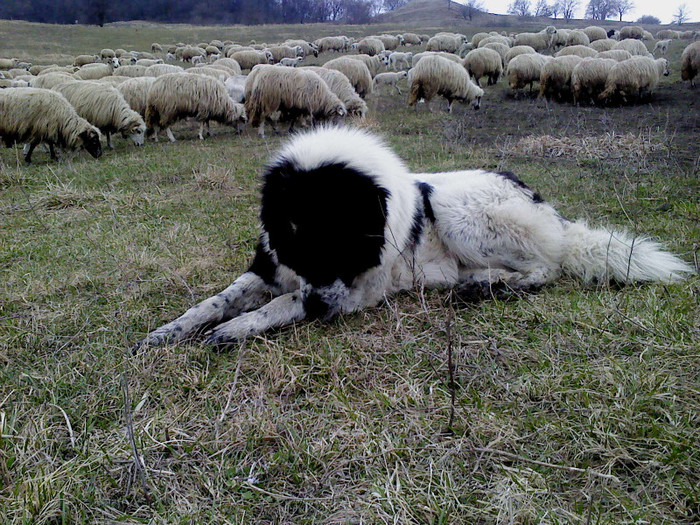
pixel 202 125
pixel 28 152
pixel 170 135
pixel 108 135
pixel 52 151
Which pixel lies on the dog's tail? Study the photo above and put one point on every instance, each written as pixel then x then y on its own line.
pixel 600 254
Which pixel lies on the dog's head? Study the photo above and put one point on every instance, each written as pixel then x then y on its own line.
pixel 332 217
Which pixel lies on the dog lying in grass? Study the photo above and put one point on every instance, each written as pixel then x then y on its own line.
pixel 345 223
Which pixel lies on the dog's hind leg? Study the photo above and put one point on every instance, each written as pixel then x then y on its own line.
pixel 499 283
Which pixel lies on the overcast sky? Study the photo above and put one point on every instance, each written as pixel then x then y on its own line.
pixel 662 9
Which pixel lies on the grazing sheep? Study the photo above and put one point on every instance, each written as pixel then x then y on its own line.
pixel 578 50
pixel 49 80
pixel 577 38
pixel 690 35
pixel 112 80
pixel 646 35
pixel 370 46
pixel 525 69
pixel 435 75
pixel 190 54
pixel 541 41
pixel 495 40
pixel 449 56
pixel 248 59
pixel 296 93
pixel 34 116
pixel 399 60
pixel 661 46
pixel 357 72
pixel 595 33
pixel 280 52
pixel 517 50
pixel 36 68
pixel 501 49
pixel 389 79
pixel 411 39
pixel 229 63
pixel 344 225
pixel 447 42
pixel 483 62
pixel 390 42
pixel 104 106
pixel 156 48
pixel 465 48
pixel 668 34
pixel 332 43
pixel 555 78
pixel 219 74
pixel 130 71
pixel 604 44
pixel 342 88
pixel 157 70
pixel 634 78
pixel 616 54
pixel 690 62
pixel 588 78
pixel 307 48
pixel 147 62
pixel 135 92
pixel 634 32
pixel 560 39
pixel 81 60
pixel 478 37
pixel 8 63
pixel 97 70
pixel 374 64
pixel 291 62
pixel 635 47
pixel 107 54
pixel 235 87
pixel 177 96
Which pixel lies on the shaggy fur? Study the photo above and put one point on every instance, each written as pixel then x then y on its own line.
pixel 130 71
pixel 104 106
pixel 635 47
pixel 541 41
pixel 50 80
pixel 577 50
pixel 555 79
pixel 517 50
pixel 499 48
pixel 341 87
pixel 250 58
pixel 595 33
pixel 525 69
pixel 374 64
pixel 618 55
pixel 483 62
pixel 605 44
pixel 435 75
pixel 690 62
pixel 446 42
pixel 296 93
pixel 178 96
pixel 96 71
pixel 588 78
pixel 357 72
pixel 135 92
pixel 229 63
pixel 370 46
pixel 321 255
pixel 39 115
pixel 81 60
pixel 631 32
pixel 577 38
pixel 632 79
pixel 449 56
pixel 282 51
pixel 332 43
pixel 157 70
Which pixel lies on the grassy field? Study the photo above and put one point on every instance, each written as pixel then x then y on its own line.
pixel 578 404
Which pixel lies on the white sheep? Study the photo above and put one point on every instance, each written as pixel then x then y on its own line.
pixel 357 72
pixel 235 87
pixel 96 71
pixel 398 60
pixel 449 56
pixel 577 38
pixel 339 84
pixel 478 37
pixel 435 75
pixel 603 44
pixel 281 51
pixel 483 62
pixel 496 40
pixel 104 106
pixel 81 60
pixel 515 51
pixel 295 93
pixel 332 43
pixel 525 69
pixel 291 62
pixel 578 50
pixel 634 78
pixel 157 70
pixel 135 92
pixel 616 54
pixel 8 63
pixel 130 71
pixel 49 80
pixel 177 96
pixel 411 39
pixel 595 33
pixel 389 79
pixel 690 62
pixel 447 42
pixel 229 63
pixel 370 46
pixel 146 62
pixel 34 116
pixel 541 41
pixel 307 48
pixel 219 74
pixel 374 64
pixel 391 42
pixel 631 32
pixel 661 46
pixel 635 47
pixel 249 58
pixel 555 78
pixel 588 78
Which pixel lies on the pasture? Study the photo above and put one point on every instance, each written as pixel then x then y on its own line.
pixel 576 404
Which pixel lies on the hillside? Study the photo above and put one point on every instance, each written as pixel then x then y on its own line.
pixel 437 13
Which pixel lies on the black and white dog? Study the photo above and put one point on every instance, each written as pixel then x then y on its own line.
pixel 344 223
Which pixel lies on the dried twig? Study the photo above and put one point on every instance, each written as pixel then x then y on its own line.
pixel 137 462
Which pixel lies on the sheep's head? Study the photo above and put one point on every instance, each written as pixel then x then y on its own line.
pixel 91 142
pixel 299 51
pixel 476 103
pixel 269 57
pixel 550 30
pixel 114 62
pixel 665 66
pixel 136 131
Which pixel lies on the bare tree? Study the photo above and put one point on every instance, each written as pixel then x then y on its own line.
pixel 556 9
pixel 520 8
pixel 470 9
pixel 542 8
pixel 682 14
pixel 600 9
pixel 622 7
pixel 390 5
pixel 568 8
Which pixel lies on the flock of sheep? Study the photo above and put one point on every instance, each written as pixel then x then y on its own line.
pixel 138 94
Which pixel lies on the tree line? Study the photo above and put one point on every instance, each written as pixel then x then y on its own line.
pixel 196 11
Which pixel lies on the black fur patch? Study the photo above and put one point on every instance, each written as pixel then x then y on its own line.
pixel 324 224
pixel 536 197
pixel 263 265
pixel 423 211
